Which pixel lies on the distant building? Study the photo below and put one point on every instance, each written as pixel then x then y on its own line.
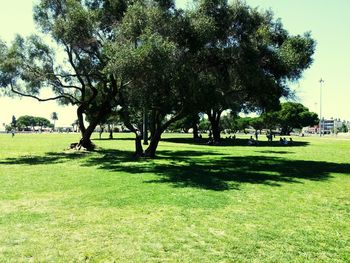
pixel 328 126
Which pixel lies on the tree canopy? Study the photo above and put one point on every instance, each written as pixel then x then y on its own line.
pixel 148 59
pixel 295 116
pixel 32 121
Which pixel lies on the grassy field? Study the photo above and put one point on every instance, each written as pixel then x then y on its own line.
pixel 194 203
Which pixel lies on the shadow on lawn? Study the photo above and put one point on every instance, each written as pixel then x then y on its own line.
pixel 207 171
pixel 48 158
pixel 199 169
pixel 235 142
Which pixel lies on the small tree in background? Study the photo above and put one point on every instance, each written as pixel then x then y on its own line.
pixel 32 121
pixel 54 117
pixel 75 125
pixel 14 122
pixel 295 116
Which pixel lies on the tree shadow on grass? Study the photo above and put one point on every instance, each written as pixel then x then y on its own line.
pixel 235 142
pixel 274 152
pixel 209 171
pixel 198 169
pixel 46 159
pixel 114 139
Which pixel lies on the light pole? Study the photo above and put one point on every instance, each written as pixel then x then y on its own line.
pixel 320 125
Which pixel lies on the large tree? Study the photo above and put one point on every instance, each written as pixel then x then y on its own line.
pixel 79 32
pixel 295 116
pixel 151 59
pixel 246 58
pixel 32 121
pixel 151 51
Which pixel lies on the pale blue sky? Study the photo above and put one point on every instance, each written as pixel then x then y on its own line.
pixel 329 22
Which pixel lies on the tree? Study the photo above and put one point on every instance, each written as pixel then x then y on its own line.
pixel 246 58
pixel 80 30
pixel 190 121
pixel 54 117
pixel 204 125
pixel 243 123
pixel 8 128
pixel 295 115
pixel 14 122
pixel 42 122
pixel 151 52
pixel 147 58
pixel 26 121
pixel 343 128
pixel 257 123
pixel 32 121
pixel 75 125
pixel 270 120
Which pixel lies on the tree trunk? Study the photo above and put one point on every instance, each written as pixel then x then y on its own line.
pixel 80 116
pixel 195 130
pixel 152 124
pixel 216 130
pixel 110 129
pixel 145 127
pixel 85 141
pixel 214 118
pixel 152 148
pixel 158 130
pixel 133 128
pixel 138 146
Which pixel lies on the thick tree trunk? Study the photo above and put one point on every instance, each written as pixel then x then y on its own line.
pixel 152 148
pixel 216 131
pixel 133 128
pixel 138 146
pixel 80 112
pixel 159 128
pixel 214 118
pixel 86 133
pixel 195 130
pixel 85 141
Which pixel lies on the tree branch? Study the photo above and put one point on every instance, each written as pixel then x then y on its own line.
pixel 40 99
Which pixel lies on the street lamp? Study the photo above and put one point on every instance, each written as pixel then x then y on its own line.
pixel 320 126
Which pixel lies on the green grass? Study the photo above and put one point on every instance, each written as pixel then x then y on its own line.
pixel 194 203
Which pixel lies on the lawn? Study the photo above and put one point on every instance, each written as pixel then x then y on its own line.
pixel 194 203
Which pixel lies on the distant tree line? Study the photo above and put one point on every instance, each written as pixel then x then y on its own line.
pixel 28 123
pixel 291 116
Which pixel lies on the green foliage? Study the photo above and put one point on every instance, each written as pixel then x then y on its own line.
pixel 295 115
pixel 343 128
pixel 14 122
pixel 185 123
pixel 142 56
pixel 204 125
pixel 257 123
pixel 243 123
pixel 31 121
pixel 247 65
pixel 54 116
pixel 8 128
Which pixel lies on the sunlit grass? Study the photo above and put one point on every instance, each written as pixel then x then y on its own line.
pixel 194 203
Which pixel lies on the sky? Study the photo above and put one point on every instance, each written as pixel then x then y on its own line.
pixel 328 21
